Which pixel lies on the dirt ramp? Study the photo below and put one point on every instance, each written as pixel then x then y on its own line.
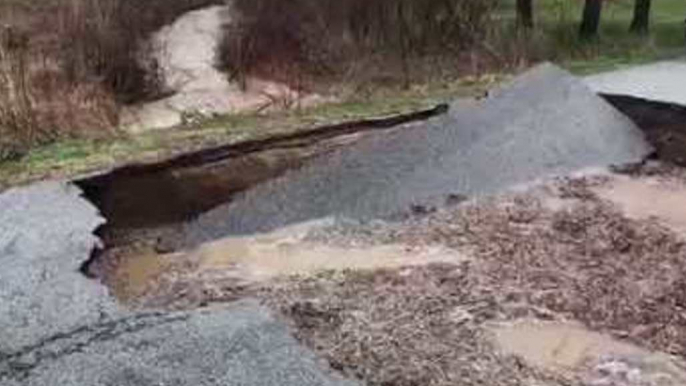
pixel 546 122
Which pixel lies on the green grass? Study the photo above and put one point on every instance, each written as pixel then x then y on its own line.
pixel 68 159
pixel 558 21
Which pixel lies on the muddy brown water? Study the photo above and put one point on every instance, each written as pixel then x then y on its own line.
pixel 597 359
pixel 658 199
pixel 251 260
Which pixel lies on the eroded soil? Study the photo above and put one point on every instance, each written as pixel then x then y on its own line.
pixel 426 299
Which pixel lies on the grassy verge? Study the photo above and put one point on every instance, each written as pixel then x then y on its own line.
pixel 616 47
pixel 557 22
pixel 67 159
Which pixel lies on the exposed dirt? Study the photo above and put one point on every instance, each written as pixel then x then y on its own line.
pixel 663 123
pixel 186 51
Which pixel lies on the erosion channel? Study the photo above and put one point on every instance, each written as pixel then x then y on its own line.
pixel 148 206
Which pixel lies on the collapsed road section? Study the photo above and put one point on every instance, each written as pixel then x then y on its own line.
pixel 58 326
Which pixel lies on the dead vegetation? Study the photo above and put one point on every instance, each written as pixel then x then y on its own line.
pixel 414 327
pixel 386 42
pixel 66 66
pixel 588 262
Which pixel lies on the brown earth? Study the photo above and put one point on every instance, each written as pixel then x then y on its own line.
pixel 584 278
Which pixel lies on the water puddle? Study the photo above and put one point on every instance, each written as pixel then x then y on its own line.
pixel 284 254
pixel 595 358
pixel 657 198
pixel 134 275
pixel 250 260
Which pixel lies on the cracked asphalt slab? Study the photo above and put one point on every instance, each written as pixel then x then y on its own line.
pixel 237 345
pixel 46 234
pixel 57 327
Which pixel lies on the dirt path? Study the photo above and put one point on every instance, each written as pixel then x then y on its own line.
pixel 187 57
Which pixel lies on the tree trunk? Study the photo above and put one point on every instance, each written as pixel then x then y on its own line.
pixel 641 22
pixel 591 19
pixel 525 13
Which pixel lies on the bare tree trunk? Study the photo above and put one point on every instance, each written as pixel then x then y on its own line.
pixel 641 22
pixel 525 13
pixel 591 19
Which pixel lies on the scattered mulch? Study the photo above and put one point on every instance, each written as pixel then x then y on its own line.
pixel 582 261
pixel 417 326
pixel 588 262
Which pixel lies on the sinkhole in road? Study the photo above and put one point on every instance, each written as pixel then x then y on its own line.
pixel 146 206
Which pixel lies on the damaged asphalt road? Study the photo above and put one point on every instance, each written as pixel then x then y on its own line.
pixel 237 345
pixel 58 327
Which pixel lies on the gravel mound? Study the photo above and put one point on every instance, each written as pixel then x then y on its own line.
pixel 545 123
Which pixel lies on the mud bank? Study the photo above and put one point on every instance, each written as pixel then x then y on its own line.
pixel 663 123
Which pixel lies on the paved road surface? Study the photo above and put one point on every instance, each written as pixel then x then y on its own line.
pixel 661 82
pixel 59 328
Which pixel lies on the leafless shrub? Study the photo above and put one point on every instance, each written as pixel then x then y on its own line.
pixel 38 105
pixel 280 39
pixel 17 123
pixel 66 66
pixel 105 41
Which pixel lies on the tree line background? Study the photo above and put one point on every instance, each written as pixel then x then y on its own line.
pixel 67 67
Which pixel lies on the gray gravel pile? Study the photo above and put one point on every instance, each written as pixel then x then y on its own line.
pixel 546 122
